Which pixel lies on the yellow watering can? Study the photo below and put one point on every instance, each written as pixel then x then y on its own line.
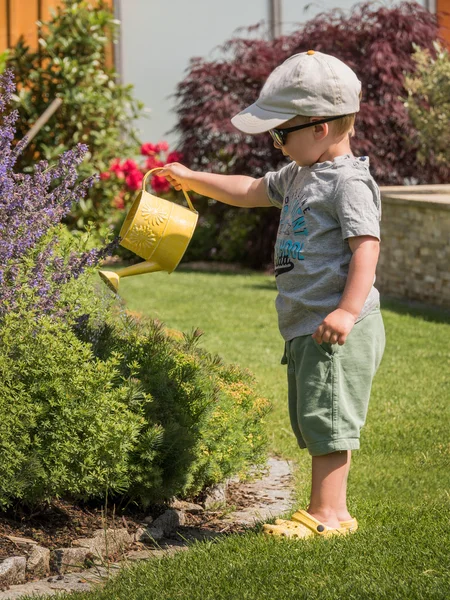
pixel 158 231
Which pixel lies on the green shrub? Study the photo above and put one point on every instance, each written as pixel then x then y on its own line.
pixel 211 419
pixel 428 104
pixel 96 109
pixel 66 426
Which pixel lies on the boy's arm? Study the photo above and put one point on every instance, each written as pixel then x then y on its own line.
pixel 237 190
pixel 338 324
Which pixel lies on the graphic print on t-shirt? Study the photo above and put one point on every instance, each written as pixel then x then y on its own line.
pixel 290 245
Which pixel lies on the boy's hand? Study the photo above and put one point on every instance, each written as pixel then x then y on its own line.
pixel 177 175
pixel 335 327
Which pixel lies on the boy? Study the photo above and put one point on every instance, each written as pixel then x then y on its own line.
pixel 325 259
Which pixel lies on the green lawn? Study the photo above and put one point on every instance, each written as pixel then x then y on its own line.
pixel 399 486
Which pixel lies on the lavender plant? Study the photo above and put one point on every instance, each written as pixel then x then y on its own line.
pixel 31 206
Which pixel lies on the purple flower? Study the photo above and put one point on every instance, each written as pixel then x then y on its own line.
pixel 30 206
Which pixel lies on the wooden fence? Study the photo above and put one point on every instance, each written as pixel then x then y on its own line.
pixel 18 17
pixel 443 11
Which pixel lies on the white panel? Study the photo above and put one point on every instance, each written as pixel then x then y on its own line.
pixel 159 38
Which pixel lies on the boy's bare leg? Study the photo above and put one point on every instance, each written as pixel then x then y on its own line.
pixel 342 513
pixel 328 501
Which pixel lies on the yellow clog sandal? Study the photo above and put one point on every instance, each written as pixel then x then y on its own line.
pixel 351 525
pixel 304 526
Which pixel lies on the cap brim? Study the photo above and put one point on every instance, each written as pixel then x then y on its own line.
pixel 255 119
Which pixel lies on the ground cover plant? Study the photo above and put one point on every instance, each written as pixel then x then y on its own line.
pixel 399 484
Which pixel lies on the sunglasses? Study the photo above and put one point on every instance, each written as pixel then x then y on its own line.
pixel 279 136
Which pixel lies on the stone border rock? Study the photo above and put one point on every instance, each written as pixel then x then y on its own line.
pixel 265 498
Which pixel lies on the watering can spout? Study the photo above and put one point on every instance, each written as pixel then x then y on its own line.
pixel 112 278
pixel 158 231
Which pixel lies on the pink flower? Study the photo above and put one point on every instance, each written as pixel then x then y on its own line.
pixel 105 175
pixel 160 184
pixel 134 180
pixel 118 202
pixel 174 157
pixel 162 146
pixel 152 162
pixel 149 149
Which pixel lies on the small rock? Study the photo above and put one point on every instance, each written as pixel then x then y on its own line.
pixel 151 534
pixel 215 495
pixel 148 520
pixel 21 541
pixel 69 560
pixel 140 532
pixel 170 520
pixel 12 571
pixel 38 563
pixel 106 541
pixel 188 507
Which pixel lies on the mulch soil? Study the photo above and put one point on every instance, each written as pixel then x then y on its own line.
pixel 56 525
pixel 59 523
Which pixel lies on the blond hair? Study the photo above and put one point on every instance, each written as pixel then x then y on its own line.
pixel 344 125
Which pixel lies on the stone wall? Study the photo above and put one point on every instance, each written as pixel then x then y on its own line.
pixel 415 249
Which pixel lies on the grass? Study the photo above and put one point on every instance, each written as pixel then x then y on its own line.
pixel 399 487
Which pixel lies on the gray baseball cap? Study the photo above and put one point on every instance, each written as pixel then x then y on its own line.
pixel 311 83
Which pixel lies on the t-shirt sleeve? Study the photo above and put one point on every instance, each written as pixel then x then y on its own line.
pixel 358 208
pixel 277 182
pixel 274 188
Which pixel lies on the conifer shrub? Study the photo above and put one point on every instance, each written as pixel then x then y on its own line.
pixel 211 419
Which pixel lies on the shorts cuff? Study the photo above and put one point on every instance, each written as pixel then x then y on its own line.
pixel 327 447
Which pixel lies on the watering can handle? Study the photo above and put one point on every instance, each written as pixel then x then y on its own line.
pixel 144 183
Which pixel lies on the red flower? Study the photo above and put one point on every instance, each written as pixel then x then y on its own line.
pixel 116 168
pixel 152 162
pixel 162 146
pixel 174 157
pixel 149 149
pixel 105 175
pixel 129 167
pixel 160 184
pixel 134 180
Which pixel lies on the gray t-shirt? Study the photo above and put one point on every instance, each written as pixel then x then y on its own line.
pixel 321 206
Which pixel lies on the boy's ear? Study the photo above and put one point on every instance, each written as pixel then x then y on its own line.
pixel 321 131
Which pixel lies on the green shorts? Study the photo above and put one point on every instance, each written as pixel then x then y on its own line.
pixel 329 386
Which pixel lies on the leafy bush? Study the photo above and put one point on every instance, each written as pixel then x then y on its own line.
pixel 428 105
pixel 96 110
pixel 66 427
pixel 211 419
pixel 376 42
pixel 145 415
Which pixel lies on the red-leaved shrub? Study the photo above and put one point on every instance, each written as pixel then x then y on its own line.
pixel 377 43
